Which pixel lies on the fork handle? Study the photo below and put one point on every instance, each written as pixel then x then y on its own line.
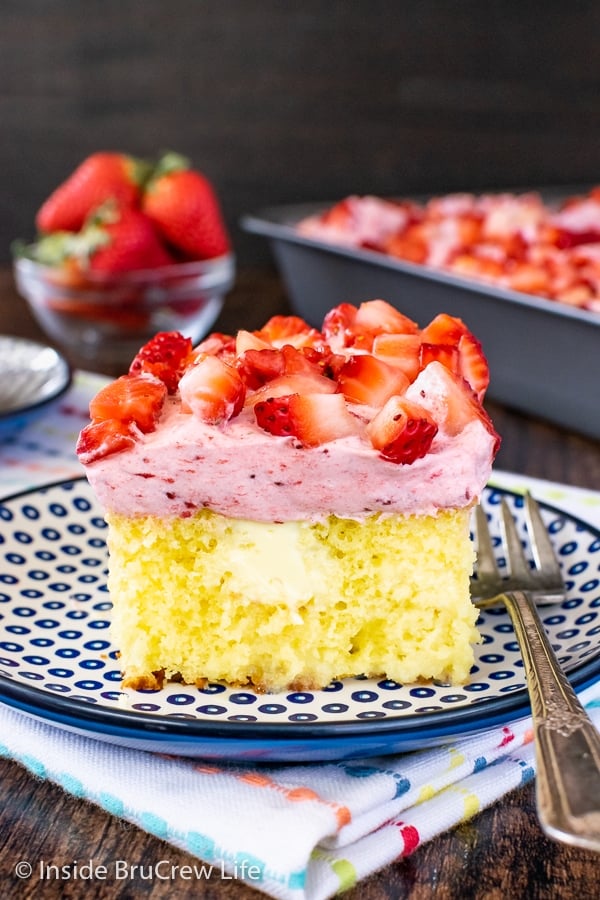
pixel 567 744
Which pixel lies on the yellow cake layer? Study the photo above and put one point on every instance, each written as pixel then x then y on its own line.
pixel 293 605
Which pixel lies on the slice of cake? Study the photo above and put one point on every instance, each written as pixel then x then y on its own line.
pixel 291 506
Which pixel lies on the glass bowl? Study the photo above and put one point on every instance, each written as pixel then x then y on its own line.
pixel 101 321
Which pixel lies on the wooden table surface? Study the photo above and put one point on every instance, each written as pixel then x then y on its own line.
pixel 500 854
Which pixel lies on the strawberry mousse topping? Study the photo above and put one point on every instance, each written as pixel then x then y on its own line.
pixel 371 414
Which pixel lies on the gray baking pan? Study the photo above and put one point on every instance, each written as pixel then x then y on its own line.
pixel 544 356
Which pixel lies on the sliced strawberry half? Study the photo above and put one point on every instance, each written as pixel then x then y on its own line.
pixel 402 431
pixel 313 419
pixel 137 399
pixel 212 390
pixel 165 356
pixel 365 379
pixel 473 365
pixel 100 439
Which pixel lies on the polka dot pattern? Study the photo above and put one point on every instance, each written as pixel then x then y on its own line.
pixel 55 627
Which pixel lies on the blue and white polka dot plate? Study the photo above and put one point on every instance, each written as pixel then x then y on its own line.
pixel 57 661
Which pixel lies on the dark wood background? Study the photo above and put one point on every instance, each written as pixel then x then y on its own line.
pixel 298 100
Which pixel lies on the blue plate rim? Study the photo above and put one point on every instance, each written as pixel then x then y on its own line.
pixel 479 716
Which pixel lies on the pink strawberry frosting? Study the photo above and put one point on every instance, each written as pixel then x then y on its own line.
pixel 241 471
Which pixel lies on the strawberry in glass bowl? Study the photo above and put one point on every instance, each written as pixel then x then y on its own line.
pixel 126 249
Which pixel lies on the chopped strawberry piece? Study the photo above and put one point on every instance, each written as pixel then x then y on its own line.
pixel 273 414
pixel 256 367
pixel 166 357
pixel 472 364
pixel 338 326
pixel 280 330
pixel 349 326
pixel 100 439
pixel 298 383
pixel 458 405
pixel 305 359
pixel 444 329
pixel 131 398
pixel 400 351
pixel 250 340
pixel 410 246
pixel 218 344
pixel 379 317
pixel 260 366
pixel 402 431
pixel 447 354
pixel 339 215
pixel 365 379
pixel 312 418
pixel 529 278
pixel 212 390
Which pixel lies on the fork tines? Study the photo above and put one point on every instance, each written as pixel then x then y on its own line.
pixel 544 577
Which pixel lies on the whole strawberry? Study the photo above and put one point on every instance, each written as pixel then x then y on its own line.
pixel 122 240
pixel 100 177
pixel 184 207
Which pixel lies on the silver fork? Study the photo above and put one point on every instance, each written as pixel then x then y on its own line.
pixel 567 745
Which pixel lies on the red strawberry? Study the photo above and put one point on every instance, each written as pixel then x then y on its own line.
pixel 339 215
pixel 123 240
pixel 100 177
pixel 218 344
pixel 402 431
pixel 365 379
pixel 444 329
pixel 212 390
pixel 338 326
pixel 298 383
pixel 399 350
pixel 166 356
pixel 472 364
pixel 379 316
pixel 280 330
pixel 184 207
pixel 460 405
pixel 99 439
pixel 134 399
pixel 447 354
pixel 260 366
pixel 249 340
pixel 312 418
